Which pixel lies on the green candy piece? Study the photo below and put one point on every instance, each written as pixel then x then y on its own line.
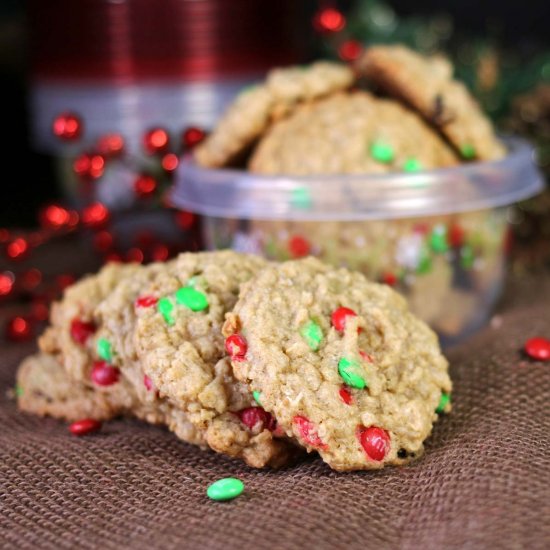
pixel 312 333
pixel 104 349
pixel 18 390
pixel 424 265
pixel 191 298
pixel 351 371
pixel 165 307
pixel 412 165
pixel 443 402
pixel 438 239
pixel 468 151
pixel 301 198
pixel 225 489
pixel 382 152
pixel 466 257
pixel 256 395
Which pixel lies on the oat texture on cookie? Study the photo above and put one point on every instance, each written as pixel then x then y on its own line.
pixel 341 363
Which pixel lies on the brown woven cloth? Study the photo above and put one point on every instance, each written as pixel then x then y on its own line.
pixel 483 483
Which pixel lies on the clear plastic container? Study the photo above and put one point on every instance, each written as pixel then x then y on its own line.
pixel 439 237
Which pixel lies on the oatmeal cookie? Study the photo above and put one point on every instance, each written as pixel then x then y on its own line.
pixel 254 109
pixel 426 84
pixel 341 362
pixel 179 342
pixel 350 133
pixel 43 388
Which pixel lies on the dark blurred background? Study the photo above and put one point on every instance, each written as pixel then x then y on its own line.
pixel 515 32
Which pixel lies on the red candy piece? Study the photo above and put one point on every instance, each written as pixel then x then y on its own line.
pixel 366 356
pixel 85 426
pixel 147 382
pixel 345 396
pixel 375 442
pixel 456 235
pixel 538 348
pixel 146 301
pixel 104 374
pixel 236 346
pixel 308 432
pixel 298 247
pixel 256 417
pixel 339 317
pixel 389 278
pixel 81 330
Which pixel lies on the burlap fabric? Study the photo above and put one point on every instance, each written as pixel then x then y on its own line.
pixel 483 483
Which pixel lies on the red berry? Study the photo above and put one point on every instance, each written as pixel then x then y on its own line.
pixel 185 219
pixel 110 145
pixel 329 20
pixel 67 126
pixel 85 426
pixel 339 317
pixel 346 396
pixel 308 432
pixel 64 280
pixel 350 50
pixel 134 255
pixel 257 418
pixel 147 382
pixel 170 162
pixel 236 346
pixel 538 349
pixel 89 166
pixel 145 185
pixel 17 249
pixel 104 374
pixel 19 329
pixel 31 279
pixel 103 241
pixel 299 247
pixel 81 331
pixel 6 282
pixel 192 136
pixel 146 301
pixel 95 215
pixel 160 253
pixel 155 141
pixel 375 442
pixel 54 217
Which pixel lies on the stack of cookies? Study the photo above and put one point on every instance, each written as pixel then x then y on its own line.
pixel 315 120
pixel 254 360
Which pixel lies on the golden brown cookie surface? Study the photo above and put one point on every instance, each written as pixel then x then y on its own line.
pixel 180 345
pixel 253 110
pixel 341 363
pixel 350 133
pixel 426 84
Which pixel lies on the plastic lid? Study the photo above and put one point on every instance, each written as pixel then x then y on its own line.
pixel 473 186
